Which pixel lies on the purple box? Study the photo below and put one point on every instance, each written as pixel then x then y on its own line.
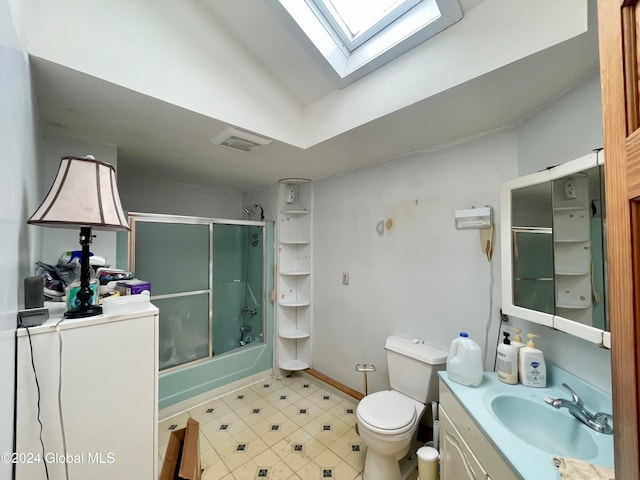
pixel 133 287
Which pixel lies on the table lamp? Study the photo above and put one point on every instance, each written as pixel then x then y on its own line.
pixel 84 194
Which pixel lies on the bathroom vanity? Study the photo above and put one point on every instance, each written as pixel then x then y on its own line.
pixel 501 432
pixel 465 452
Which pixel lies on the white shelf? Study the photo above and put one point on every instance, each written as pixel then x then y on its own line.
pixel 577 207
pixel 294 322
pixel 295 242
pixel 571 240
pixel 293 365
pixel 294 304
pixel 295 212
pixel 573 307
pixel 294 334
pixel 572 251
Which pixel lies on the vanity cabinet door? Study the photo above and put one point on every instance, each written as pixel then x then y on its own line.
pixel 457 461
pixel 465 450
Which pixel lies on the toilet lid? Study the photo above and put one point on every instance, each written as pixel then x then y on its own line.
pixel 387 410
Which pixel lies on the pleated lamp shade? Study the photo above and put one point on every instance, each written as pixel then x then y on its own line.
pixel 84 193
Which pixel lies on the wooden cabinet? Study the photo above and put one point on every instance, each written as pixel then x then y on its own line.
pixel 293 312
pixel 465 452
pixel 101 373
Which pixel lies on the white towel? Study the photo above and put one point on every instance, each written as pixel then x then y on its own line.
pixel 572 469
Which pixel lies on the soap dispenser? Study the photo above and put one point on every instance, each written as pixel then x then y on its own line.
pixel 517 344
pixel 517 339
pixel 507 361
pixel 533 370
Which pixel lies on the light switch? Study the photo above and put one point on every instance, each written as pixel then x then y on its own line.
pixel 345 278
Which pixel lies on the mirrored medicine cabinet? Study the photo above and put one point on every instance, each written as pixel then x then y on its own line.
pixel 553 248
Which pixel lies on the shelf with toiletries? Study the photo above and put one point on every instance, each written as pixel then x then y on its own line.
pixel 294 312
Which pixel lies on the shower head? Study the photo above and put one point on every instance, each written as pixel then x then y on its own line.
pixel 250 208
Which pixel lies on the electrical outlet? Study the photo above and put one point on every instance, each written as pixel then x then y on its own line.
pixel 345 278
pixel 569 189
pixel 290 194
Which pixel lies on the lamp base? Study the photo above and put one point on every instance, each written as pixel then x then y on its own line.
pixel 88 311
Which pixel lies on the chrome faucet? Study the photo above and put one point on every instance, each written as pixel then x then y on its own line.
pixel 598 421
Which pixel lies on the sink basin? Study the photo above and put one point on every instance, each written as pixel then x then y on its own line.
pixel 544 427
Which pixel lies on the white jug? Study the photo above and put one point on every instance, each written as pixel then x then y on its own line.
pixel 464 363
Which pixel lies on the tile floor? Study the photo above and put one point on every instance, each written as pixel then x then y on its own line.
pixel 288 429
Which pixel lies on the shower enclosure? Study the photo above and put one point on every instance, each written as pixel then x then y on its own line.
pixel 208 280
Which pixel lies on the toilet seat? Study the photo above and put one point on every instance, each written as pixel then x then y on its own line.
pixel 387 412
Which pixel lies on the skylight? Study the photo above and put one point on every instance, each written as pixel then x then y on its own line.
pixel 356 22
pixel 358 36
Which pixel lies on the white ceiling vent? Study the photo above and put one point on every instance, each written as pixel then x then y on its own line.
pixel 240 139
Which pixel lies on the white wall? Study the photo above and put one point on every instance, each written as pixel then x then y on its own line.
pixel 421 279
pixel 511 31
pixel 143 192
pixel 224 82
pixel 566 128
pixel 195 66
pixel 19 243
pixel 267 198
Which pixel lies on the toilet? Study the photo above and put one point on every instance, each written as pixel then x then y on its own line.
pixel 388 420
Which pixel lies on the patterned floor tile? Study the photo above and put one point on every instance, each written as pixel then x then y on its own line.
pixel 285 429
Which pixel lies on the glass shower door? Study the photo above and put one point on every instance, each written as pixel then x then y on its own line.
pixel 208 280
pixel 238 286
pixel 175 257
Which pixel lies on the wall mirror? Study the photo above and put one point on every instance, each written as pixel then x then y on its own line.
pixel 553 248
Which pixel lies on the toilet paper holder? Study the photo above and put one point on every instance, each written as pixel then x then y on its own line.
pixel 365 368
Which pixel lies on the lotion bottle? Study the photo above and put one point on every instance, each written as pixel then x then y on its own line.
pixel 507 361
pixel 533 370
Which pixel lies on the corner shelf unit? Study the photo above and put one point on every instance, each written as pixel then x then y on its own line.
pixel 572 248
pixel 294 319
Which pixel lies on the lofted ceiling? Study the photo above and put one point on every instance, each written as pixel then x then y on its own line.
pixel 159 137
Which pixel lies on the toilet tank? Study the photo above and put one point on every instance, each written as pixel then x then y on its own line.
pixel 412 368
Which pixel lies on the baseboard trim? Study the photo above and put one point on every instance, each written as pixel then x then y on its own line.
pixel 334 383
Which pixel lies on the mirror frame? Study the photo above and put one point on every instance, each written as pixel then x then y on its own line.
pixel 586 332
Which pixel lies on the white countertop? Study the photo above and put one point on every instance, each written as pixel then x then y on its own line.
pixel 56 320
pixel 528 461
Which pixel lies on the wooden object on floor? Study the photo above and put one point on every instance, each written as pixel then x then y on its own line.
pixel 335 384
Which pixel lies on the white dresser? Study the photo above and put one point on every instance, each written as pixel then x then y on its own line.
pixel 109 398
